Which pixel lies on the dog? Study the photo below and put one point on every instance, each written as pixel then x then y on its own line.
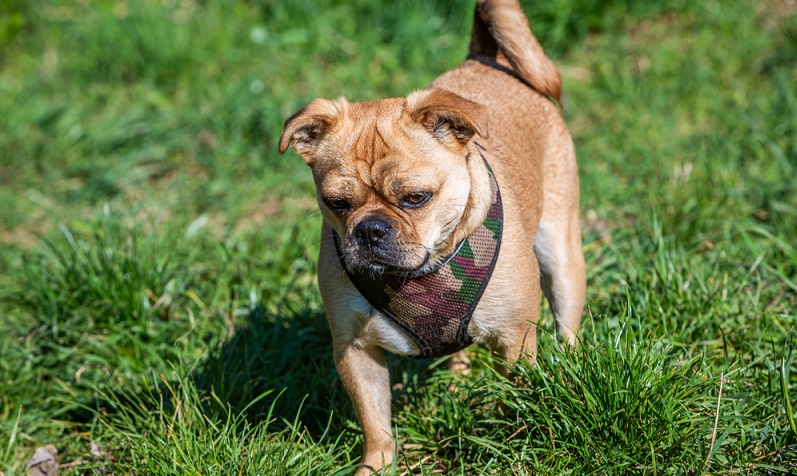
pixel 444 214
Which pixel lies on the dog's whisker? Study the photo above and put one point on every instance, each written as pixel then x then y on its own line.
pixel 307 216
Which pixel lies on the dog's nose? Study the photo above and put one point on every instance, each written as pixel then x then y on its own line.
pixel 372 232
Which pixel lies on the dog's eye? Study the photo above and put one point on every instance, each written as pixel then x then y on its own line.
pixel 337 204
pixel 416 200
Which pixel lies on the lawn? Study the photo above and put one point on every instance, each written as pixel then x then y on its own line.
pixel 158 304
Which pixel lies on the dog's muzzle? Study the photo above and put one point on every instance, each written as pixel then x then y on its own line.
pixel 372 246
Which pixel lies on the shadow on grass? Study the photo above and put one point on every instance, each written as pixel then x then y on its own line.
pixel 290 351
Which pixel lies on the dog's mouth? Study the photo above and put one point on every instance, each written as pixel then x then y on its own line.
pixel 381 261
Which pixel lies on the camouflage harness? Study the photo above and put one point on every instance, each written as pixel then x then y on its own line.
pixel 434 309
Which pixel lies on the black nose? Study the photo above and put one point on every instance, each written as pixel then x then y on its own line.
pixel 372 232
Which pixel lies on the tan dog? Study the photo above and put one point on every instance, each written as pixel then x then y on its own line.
pixel 402 184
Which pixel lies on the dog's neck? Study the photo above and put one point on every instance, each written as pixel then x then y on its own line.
pixel 478 203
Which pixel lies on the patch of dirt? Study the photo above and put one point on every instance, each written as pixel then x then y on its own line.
pixel 781 8
pixel 597 225
pixel 775 11
pixel 26 235
pixel 273 208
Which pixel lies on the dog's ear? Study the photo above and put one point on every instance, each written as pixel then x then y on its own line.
pixel 305 129
pixel 449 117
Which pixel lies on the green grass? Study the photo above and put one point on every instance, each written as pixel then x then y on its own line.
pixel 157 255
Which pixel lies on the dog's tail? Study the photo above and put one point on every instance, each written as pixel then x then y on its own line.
pixel 501 25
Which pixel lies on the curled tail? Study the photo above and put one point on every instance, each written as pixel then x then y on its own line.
pixel 500 25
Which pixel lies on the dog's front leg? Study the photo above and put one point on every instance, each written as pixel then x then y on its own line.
pixel 359 360
pixel 364 373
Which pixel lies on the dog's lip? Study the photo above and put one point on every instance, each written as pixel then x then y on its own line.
pixel 381 266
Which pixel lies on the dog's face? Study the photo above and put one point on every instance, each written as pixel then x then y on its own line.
pixel 392 176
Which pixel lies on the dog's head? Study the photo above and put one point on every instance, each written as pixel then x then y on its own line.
pixel 395 178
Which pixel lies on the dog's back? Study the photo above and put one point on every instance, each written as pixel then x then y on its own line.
pixel 529 148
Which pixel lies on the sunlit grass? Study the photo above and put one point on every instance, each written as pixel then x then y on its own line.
pixel 157 254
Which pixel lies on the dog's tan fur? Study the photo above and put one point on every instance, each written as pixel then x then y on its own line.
pixel 370 156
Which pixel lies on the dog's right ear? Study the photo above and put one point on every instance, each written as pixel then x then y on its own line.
pixel 305 129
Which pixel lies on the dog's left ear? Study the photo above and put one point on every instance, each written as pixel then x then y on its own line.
pixel 452 119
